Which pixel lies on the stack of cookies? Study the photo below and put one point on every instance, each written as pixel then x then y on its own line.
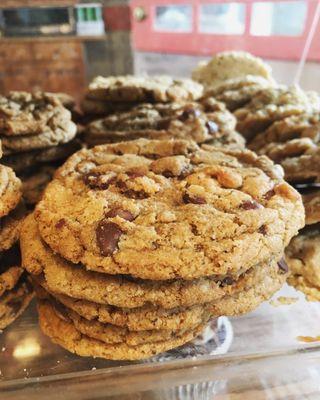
pixel 15 292
pixel 106 96
pixel 135 245
pixel 35 129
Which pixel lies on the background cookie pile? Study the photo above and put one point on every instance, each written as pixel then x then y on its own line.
pixel 134 246
pixel 282 123
pixel 36 133
pixel 15 292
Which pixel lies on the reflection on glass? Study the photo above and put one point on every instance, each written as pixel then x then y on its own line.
pixel 278 18
pixel 222 18
pixel 176 18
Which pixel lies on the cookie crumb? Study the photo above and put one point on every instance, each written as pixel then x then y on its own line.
pixel 283 301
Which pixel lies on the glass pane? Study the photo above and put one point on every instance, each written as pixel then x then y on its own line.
pixel 280 18
pixel 221 18
pixel 173 18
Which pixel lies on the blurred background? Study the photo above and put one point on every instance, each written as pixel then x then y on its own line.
pixel 59 45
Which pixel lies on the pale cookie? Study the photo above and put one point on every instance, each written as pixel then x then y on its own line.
pixel 10 227
pixel 293 127
pixel 143 89
pixel 124 291
pixel 134 319
pixel 303 257
pixel 14 302
pixel 211 123
pixel 273 104
pixel 23 113
pixel 63 332
pixel 230 65
pixel 237 92
pixel 168 209
pixel 10 190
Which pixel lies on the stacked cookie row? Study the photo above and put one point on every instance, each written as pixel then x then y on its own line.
pixel 15 291
pixel 160 108
pixel 282 123
pixel 135 245
pixel 36 131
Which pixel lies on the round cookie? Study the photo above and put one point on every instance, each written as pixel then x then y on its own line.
pixel 272 104
pixel 23 113
pixel 237 92
pixel 165 121
pixel 293 127
pixel 168 209
pixel 230 65
pixel 10 227
pixel 303 257
pixel 134 319
pixel 10 190
pixel 14 302
pixel 124 291
pixel 60 132
pixel 143 89
pixel 63 332
pixel 23 162
pixel 311 202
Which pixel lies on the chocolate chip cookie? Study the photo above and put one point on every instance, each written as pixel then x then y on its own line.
pixel 209 123
pixel 133 89
pixel 273 104
pixel 63 332
pixel 237 92
pixel 10 190
pixel 167 209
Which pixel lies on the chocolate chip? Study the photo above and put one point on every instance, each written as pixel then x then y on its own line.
pixel 134 174
pixel 250 205
pixel 168 174
pixel 98 181
pixel 189 112
pixel 263 230
pixel 227 281
pixel 194 200
pixel 269 194
pixel 164 124
pixel 61 223
pixel 108 235
pixel 132 194
pixel 119 212
pixel 283 266
pixel 212 127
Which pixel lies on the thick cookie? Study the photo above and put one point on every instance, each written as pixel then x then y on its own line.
pixel 303 257
pixel 22 163
pixel 230 65
pixel 293 127
pixel 14 302
pixel 99 108
pixel 124 291
pixel 10 227
pixel 165 121
pixel 63 332
pixel 10 190
pixel 39 113
pixel 10 270
pixel 273 104
pixel 237 92
pixel 141 89
pixel 168 209
pixel 62 132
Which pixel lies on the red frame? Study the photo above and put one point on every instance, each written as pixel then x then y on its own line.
pixel 145 38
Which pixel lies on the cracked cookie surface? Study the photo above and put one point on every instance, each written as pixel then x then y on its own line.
pixel 168 209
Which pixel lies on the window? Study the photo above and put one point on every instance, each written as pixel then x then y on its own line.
pixel 173 18
pixel 222 18
pixel 279 18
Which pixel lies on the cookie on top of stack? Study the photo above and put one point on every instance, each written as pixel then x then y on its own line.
pixel 35 129
pixel 135 245
pixel 106 96
pixel 15 291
